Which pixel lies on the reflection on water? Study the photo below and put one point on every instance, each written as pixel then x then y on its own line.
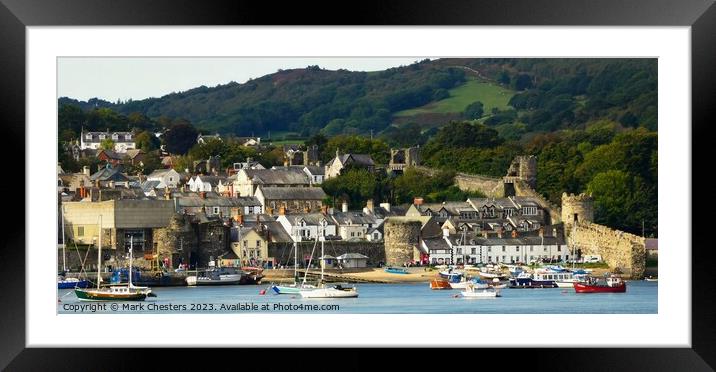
pixel 640 298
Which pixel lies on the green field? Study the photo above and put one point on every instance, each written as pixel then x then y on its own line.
pixel 491 95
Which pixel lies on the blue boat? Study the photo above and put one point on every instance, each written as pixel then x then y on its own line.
pixel 395 270
pixel 66 283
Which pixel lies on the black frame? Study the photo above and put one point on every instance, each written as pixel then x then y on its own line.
pixel 15 15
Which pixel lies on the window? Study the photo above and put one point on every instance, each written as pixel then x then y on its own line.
pixel 216 210
pixel 246 244
pixel 88 136
pixel 115 136
pixel 473 250
pixel 517 248
pixel 375 236
pixel 102 136
pixel 503 248
pixel 531 248
pixel 258 244
pixel 80 231
pixel 559 248
pixel 128 137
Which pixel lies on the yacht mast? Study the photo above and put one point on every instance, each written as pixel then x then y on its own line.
pixel 131 245
pixel 99 253
pixel 64 260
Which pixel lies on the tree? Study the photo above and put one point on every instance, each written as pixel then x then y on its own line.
pixel 146 141
pixel 180 138
pixel 107 144
pixel 355 186
pixel 474 111
pixel 522 82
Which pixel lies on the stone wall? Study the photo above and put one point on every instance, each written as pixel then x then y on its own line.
pixel 581 206
pixel 617 248
pixel 402 238
pixel 283 252
pixel 523 189
pixel 491 187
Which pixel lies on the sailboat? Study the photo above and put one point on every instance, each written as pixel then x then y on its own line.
pixel 323 291
pixel 129 292
pixel 294 288
pixel 63 282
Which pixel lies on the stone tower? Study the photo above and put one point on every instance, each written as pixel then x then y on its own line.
pixel 401 240
pixel 576 208
pixel 524 168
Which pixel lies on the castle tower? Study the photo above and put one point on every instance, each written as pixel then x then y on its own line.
pixel 576 209
pixel 401 239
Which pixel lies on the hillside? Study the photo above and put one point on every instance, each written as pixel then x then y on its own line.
pixel 532 95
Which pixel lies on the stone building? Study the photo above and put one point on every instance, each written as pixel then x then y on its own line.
pixel 290 199
pixel 247 181
pixel 337 164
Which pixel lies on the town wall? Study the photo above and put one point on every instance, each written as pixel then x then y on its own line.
pixel 523 189
pixel 491 187
pixel 618 249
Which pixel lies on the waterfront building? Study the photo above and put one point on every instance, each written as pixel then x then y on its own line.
pixel 123 141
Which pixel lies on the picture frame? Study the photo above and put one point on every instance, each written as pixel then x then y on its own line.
pixel 16 15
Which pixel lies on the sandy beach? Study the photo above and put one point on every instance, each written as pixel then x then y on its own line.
pixel 416 274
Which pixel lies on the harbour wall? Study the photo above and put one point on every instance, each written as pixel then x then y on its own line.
pixel 619 249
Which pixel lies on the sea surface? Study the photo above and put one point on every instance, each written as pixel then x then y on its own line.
pixel 418 298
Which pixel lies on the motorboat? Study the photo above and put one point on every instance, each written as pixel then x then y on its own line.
pixel 395 270
pixel 466 282
pixel 473 292
pixel 608 284
pixel 440 284
pixel 334 291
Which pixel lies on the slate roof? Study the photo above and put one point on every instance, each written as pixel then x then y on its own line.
pixel 436 243
pixel 358 159
pixel 293 193
pixel 353 217
pixel 312 219
pixel 316 170
pixel 352 256
pixel 109 174
pixel 190 199
pixel 95 137
pixel 278 176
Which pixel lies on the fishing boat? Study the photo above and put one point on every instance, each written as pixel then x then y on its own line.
pixel 130 292
pixel 651 279
pixel 497 284
pixel 473 292
pixel 395 270
pixel 323 291
pixel 251 275
pixel 63 282
pixel 536 280
pixel 608 284
pixel 440 284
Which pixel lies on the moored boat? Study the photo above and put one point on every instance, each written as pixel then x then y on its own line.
pixel 467 282
pixel 608 284
pixel 66 283
pixel 395 270
pixel 219 276
pixel 323 291
pixel 473 292
pixel 440 284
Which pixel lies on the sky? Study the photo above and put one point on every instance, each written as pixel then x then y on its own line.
pixel 113 78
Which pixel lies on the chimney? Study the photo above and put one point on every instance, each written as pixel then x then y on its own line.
pixel 202 194
pixel 324 209
pixel 85 170
pixel 369 205
pixel 514 233
pixel 167 193
pixel 239 219
pixel 282 211
pixel 500 231
pixel 418 200
pixel 344 207
pixel 385 206
pixel 485 234
pixel 541 232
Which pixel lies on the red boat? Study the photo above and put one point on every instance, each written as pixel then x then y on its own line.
pixel 611 284
pixel 440 284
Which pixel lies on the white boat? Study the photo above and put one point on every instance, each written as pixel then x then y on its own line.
pixel 295 287
pixel 472 292
pixel 463 284
pixel 323 291
pixel 651 279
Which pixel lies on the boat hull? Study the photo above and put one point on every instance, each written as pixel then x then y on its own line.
pixel 586 288
pixel 328 293
pixel 68 284
pixel 99 295
pixel 396 271
pixel 480 294
pixel 440 284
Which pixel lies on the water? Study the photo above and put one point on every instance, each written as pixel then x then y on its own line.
pixel 640 298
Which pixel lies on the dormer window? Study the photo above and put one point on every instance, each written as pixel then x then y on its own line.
pixel 102 136
pixel 128 137
pixel 88 136
pixel 115 136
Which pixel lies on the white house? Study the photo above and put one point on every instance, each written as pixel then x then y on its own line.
pixel 353 225
pixel 334 167
pixel 166 177
pixel 206 183
pixel 315 173
pixel 451 249
pixel 123 141
pixel 307 226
